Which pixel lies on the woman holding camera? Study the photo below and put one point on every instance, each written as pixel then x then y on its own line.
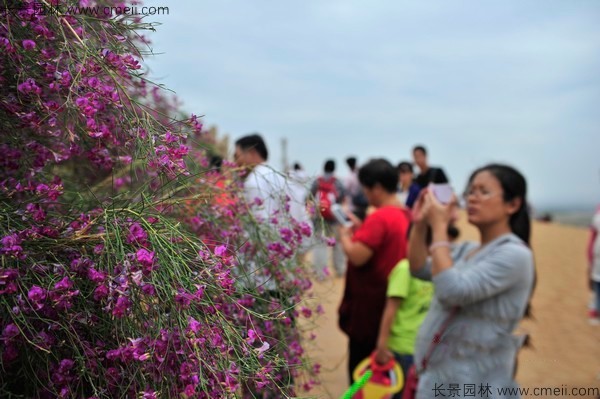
pixel 482 289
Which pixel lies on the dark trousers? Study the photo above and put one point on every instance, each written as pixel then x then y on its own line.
pixel 405 361
pixel 358 351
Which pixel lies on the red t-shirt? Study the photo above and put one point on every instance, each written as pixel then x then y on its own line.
pixel 385 232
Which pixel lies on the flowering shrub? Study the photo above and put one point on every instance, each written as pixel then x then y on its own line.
pixel 124 267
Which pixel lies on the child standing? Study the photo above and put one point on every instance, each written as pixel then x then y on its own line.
pixel 407 304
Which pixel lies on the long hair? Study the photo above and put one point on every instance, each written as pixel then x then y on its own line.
pixel 514 186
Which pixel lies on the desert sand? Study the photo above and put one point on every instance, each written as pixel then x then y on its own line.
pixel 565 351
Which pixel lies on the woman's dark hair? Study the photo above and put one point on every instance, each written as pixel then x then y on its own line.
pixel 514 186
pixel 256 142
pixel 379 171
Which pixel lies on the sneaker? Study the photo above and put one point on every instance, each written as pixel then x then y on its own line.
pixel 594 321
pixel 593 314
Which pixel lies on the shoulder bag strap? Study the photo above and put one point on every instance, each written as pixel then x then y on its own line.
pixel 438 337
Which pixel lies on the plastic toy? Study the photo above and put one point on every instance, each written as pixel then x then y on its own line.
pixel 385 381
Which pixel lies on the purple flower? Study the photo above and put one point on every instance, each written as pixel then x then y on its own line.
pixel 263 348
pixel 11 245
pixel 36 295
pixel 305 229
pixel 10 331
pixel 145 257
pixel 148 289
pixel 8 284
pixel 199 292
pixel 189 391
pixel 36 212
pixel 306 312
pixel 45 340
pixel 251 336
pixel 286 234
pixel 63 284
pixel 220 250
pixel 28 44
pixel 183 299
pixel 81 102
pixel 137 234
pixel 66 365
pixel 93 82
pixel 194 325
pixel 101 292
pixel 96 276
pixel 170 138
pixel 62 301
pixel 276 247
pixel 149 394
pixel 29 86
pixel 121 307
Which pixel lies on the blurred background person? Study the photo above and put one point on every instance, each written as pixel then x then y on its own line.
pixel 351 184
pixel 298 183
pixel 264 187
pixel 427 174
pixel 326 191
pixel 593 255
pixel 408 189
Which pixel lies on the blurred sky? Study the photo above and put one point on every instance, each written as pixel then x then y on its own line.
pixel 514 81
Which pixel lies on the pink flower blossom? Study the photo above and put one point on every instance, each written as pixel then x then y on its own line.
pixel 136 234
pixel 145 257
pixel 37 296
pixel 148 289
pixel 121 307
pixel 221 250
pixel 10 331
pixel 251 337
pixel 194 325
pixel 28 44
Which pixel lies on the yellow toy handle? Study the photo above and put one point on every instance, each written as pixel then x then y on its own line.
pixel 363 365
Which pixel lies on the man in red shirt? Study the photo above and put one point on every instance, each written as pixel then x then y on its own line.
pixel 373 248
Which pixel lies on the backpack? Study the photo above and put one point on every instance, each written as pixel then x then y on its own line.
pixel 326 196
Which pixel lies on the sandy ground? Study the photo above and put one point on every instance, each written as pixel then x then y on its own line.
pixel 565 350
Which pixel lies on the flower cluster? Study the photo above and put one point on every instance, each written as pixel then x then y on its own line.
pixel 108 288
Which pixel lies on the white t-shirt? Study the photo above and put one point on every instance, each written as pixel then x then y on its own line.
pixel 352 187
pixel 265 192
pixel 351 184
pixel 298 192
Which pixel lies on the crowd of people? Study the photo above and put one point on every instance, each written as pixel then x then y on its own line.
pixel 445 311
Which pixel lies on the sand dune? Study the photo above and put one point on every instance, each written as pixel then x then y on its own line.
pixel 565 350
